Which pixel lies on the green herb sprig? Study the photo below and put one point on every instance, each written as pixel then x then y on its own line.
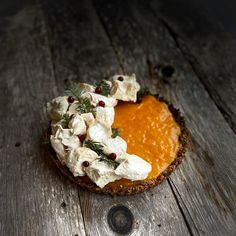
pixel 75 92
pixel 109 162
pixel 65 121
pixel 84 104
pixel 115 132
pixel 98 148
pixel 105 87
pixel 95 146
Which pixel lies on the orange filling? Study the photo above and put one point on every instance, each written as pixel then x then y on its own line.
pixel 150 132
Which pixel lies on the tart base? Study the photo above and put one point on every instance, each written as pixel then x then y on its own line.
pixel 143 185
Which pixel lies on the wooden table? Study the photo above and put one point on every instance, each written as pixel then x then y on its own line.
pixel 177 52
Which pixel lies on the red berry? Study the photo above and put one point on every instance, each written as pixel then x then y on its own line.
pixel 112 156
pixel 85 163
pixel 82 137
pixel 70 99
pixel 101 104
pixel 98 90
pixel 120 78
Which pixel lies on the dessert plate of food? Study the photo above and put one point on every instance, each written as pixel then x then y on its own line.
pixel 114 137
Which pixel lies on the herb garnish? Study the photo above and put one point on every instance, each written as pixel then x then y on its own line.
pixel 109 162
pixel 105 87
pixel 115 132
pixel 65 121
pixel 75 92
pixel 97 147
pixel 84 105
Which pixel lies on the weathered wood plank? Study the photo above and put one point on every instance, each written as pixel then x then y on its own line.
pixel 155 213
pixel 82 52
pixel 205 183
pixel 209 49
pixel 31 191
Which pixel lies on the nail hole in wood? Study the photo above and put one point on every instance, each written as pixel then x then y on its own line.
pixel 167 71
pixel 66 81
pixel 164 71
pixel 17 144
pixel 120 219
pixel 63 204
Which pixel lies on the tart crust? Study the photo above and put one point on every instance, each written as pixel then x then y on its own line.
pixel 143 185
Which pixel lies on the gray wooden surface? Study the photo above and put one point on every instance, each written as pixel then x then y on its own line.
pixel 48 45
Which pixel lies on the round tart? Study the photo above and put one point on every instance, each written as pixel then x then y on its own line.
pixel 153 130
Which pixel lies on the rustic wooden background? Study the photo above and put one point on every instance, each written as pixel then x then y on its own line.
pixel 178 52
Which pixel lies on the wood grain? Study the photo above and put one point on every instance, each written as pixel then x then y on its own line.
pixel 87 57
pixel 31 191
pixel 205 183
pixel 49 45
pixel 209 49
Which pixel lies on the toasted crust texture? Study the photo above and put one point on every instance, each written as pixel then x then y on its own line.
pixel 141 186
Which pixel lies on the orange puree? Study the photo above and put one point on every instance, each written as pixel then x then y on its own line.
pixel 150 132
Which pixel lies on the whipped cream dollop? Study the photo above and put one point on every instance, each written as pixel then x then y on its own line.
pixel 82 134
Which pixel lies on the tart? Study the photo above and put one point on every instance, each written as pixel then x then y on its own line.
pixel 152 143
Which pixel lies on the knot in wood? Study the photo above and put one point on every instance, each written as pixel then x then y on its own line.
pixel 164 71
pixel 167 71
pixel 120 219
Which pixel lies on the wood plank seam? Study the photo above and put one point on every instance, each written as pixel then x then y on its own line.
pixel 223 110
pixel 43 17
pixel 171 184
pixel 80 203
pixel 148 62
pixel 182 206
pixel 39 6
pixel 116 52
pixel 150 75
